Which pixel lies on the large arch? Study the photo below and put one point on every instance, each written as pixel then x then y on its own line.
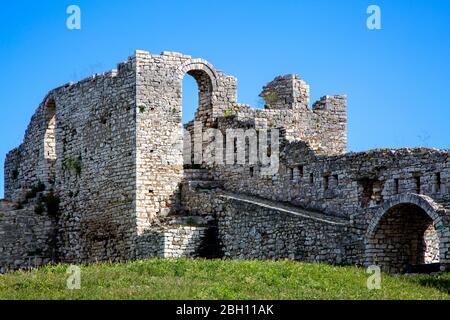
pixel 407 230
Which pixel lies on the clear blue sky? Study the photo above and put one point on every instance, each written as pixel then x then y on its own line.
pixel 396 79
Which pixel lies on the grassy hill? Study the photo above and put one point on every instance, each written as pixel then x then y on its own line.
pixel 217 279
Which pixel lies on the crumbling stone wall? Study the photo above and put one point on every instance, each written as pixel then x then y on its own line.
pixel 80 143
pixel 27 238
pixel 110 149
pixel 159 131
pixel 170 242
pixel 249 231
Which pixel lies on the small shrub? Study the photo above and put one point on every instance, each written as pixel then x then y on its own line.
pixel 52 203
pixel 228 113
pixel 142 108
pixel 191 222
pixel 270 98
pixel 39 187
pixel 72 165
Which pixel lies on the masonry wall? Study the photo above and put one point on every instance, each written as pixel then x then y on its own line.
pixel 287 105
pixel 110 148
pixel 343 185
pixel 400 239
pixel 254 228
pixel 170 242
pixel 85 154
pixel 159 144
pixel 27 239
pixel 353 186
pixel 248 231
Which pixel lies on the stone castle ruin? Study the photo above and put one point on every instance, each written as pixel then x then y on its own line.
pixel 106 173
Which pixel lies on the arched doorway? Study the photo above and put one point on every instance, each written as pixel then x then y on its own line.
pixel 190 99
pixel 206 78
pixel 50 141
pixel 198 84
pixel 204 95
pixel 402 236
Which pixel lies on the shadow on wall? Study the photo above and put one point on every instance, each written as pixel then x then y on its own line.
pixel 210 247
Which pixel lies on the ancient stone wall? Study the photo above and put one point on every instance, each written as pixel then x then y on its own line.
pixel 170 242
pixel 249 229
pixel 323 126
pixel 110 154
pixel 255 228
pixel 81 144
pixel 159 144
pixel 27 238
pixel 343 184
pixel 408 230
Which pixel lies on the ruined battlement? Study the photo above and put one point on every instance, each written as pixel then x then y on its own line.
pixel 106 172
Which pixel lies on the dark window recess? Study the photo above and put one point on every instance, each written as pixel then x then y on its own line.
pixel 326 181
pixel 438 182
pixel 417 181
pixel 291 173
pixel 370 190
pixel 252 171
pixel 247 150
pixel 396 186
pixel 235 150
pixel 336 179
pixel 311 178
pixel 300 171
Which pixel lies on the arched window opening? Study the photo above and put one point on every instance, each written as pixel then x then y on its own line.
pixel 196 105
pixel 190 99
pixel 50 141
pixel 196 96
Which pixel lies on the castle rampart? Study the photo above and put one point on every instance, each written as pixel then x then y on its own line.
pixel 103 174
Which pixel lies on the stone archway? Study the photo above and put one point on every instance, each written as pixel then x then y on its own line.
pixel 404 232
pixel 206 78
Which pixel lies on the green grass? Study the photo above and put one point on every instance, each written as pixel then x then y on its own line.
pixel 217 279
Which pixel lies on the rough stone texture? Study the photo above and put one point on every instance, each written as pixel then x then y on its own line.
pixel 30 238
pixel 183 241
pixel 255 229
pixel 81 131
pixel 110 149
